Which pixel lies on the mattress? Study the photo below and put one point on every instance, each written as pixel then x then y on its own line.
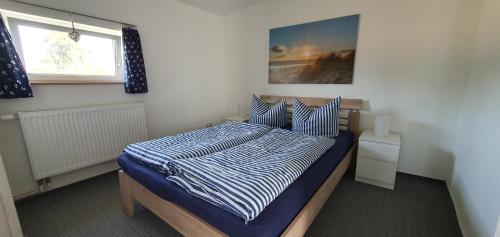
pixel 277 215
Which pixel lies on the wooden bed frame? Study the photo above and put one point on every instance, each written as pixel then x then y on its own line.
pixel 189 224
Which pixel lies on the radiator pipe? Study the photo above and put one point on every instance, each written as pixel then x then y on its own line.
pixel 7 117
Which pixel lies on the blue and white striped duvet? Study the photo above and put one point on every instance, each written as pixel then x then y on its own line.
pixel 158 153
pixel 244 179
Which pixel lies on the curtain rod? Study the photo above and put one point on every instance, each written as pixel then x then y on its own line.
pixel 74 13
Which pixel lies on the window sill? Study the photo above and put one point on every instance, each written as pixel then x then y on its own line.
pixel 75 82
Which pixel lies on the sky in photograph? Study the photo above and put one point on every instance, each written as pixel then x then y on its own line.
pixel 312 38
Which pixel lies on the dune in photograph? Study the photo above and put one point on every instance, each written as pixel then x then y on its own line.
pixel 321 52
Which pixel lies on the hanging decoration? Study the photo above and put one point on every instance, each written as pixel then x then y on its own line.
pixel 74 35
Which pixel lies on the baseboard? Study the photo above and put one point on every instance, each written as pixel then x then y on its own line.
pixel 412 172
pixel 374 182
pixel 73 177
pixel 460 217
pixel 26 194
pixel 423 177
pixel 82 174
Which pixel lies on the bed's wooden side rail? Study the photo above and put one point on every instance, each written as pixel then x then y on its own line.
pixel 177 217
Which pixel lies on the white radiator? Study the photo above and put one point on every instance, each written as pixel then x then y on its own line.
pixel 60 141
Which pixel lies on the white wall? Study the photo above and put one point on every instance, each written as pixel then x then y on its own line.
pixel 183 54
pixel 410 63
pixel 475 182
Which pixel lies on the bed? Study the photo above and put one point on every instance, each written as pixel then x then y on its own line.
pixel 290 214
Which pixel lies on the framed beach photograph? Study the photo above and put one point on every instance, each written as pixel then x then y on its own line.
pixel 321 52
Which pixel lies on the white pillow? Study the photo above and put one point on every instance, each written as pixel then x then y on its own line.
pixel 262 113
pixel 322 121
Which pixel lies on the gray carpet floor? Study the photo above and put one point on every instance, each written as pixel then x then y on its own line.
pixel 417 207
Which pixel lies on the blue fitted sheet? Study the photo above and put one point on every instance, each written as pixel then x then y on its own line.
pixel 277 215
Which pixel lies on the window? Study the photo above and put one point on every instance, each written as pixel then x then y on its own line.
pixel 53 52
pixel 50 56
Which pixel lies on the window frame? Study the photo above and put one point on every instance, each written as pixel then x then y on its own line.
pixel 47 78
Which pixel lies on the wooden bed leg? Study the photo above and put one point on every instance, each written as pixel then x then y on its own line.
pixel 127 200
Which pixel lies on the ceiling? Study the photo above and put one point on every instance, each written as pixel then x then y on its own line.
pixel 221 7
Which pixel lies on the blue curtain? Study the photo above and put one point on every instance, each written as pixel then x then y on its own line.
pixel 14 82
pixel 135 72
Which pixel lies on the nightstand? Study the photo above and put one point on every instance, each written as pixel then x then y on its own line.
pixel 236 118
pixel 378 157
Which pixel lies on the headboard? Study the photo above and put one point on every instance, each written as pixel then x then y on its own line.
pixel 349 109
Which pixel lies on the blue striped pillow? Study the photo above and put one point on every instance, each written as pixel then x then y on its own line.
pixel 322 121
pixel 262 113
